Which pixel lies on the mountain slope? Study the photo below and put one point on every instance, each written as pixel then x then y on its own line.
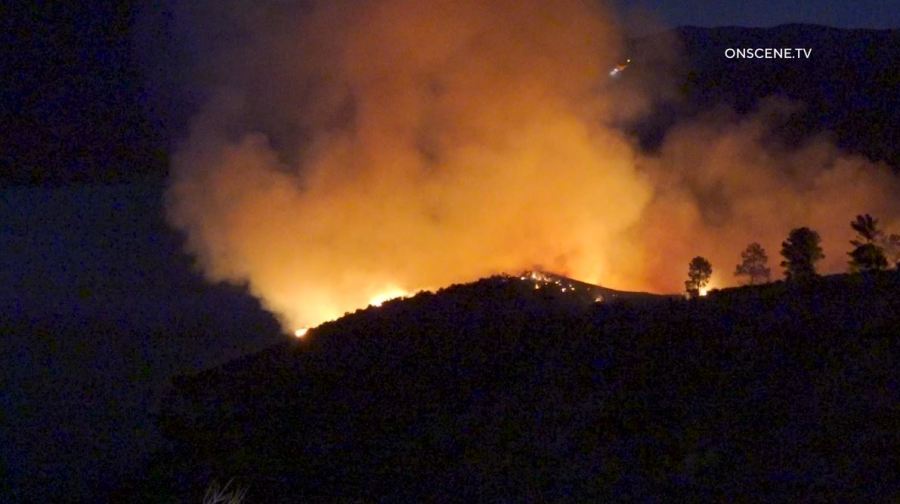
pixel 495 391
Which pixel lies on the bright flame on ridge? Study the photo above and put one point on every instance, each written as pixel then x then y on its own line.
pixel 387 295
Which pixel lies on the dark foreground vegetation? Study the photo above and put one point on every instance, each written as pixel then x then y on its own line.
pixel 495 391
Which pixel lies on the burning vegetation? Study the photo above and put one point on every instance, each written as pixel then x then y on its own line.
pixel 350 151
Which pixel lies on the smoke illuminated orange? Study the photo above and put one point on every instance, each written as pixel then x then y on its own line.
pixel 354 147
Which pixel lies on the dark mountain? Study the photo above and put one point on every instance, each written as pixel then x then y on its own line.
pixel 496 391
pixel 850 85
pixel 98 310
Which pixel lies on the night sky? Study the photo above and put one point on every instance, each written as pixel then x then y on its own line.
pixel 74 91
pixel 877 14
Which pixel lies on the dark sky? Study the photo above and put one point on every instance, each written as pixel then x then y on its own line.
pixel 879 14
pixel 74 104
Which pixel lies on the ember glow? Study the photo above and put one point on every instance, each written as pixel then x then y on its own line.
pixel 347 146
pixel 549 281
pixel 387 295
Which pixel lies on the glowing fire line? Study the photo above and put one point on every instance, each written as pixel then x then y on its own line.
pixel 376 301
pixel 388 295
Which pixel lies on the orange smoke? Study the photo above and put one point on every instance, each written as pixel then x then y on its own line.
pixel 359 148
pixel 720 182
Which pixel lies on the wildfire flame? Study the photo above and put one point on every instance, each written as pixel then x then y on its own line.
pixel 347 146
pixel 388 295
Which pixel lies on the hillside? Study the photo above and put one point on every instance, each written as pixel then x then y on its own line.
pixel 498 391
pixel 98 310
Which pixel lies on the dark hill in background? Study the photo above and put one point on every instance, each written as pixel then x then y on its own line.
pixel 495 391
pixel 98 310
pixel 76 105
pixel 850 86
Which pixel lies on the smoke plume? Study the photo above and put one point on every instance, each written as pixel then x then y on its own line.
pixel 348 149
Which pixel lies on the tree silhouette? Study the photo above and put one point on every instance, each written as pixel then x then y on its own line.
pixel 867 254
pixel 699 271
pixel 801 251
pixel 867 257
pixel 867 227
pixel 754 264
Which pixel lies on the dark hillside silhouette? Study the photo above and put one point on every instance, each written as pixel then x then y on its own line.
pixel 497 391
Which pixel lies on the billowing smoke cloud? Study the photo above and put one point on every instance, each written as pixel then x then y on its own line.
pixel 723 181
pixel 353 148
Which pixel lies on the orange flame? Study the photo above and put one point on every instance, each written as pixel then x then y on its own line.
pixel 357 145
